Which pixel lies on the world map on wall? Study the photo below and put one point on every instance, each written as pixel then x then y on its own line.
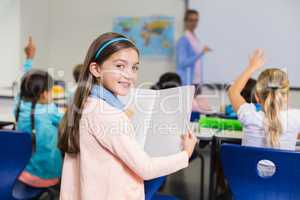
pixel 154 36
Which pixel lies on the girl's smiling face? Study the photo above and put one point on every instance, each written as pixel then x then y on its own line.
pixel 119 72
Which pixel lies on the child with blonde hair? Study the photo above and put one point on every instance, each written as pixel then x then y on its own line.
pixel 276 126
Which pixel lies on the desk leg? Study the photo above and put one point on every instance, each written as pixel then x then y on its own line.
pixel 202 175
pixel 202 178
pixel 212 173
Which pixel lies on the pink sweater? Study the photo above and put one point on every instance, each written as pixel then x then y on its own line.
pixel 111 165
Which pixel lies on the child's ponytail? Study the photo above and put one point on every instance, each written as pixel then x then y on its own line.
pixel 273 127
pixel 272 89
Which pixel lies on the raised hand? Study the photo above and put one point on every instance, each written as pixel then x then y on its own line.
pixel 257 59
pixel 207 49
pixel 30 49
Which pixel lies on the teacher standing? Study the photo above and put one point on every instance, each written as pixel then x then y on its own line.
pixel 189 52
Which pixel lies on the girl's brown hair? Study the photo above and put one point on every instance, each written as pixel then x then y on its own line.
pixel 33 84
pixel 69 127
pixel 272 88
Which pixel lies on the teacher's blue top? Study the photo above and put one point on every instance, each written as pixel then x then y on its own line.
pixel 185 60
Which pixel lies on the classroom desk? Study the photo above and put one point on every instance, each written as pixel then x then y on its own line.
pixel 6 111
pixel 7 117
pixel 5 123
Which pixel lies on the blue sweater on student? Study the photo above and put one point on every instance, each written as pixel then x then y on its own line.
pixel 46 161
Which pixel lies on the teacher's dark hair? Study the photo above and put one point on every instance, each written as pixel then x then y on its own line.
pixel 190 12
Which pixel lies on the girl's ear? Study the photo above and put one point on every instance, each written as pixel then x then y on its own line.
pixel 45 97
pixel 95 69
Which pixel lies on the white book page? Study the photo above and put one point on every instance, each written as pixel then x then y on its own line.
pixel 170 119
pixel 141 103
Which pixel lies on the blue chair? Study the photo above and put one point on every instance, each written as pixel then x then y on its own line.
pixel 195 116
pixel 15 153
pixel 251 178
pixel 152 187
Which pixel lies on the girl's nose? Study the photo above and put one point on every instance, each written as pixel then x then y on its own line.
pixel 128 74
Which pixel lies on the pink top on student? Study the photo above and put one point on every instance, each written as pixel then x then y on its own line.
pixel 111 165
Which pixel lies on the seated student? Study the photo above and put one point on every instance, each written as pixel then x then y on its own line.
pixel 276 126
pixel 200 103
pixel 37 115
pixel 171 79
pixel 76 72
pixel 167 80
pixel 76 76
pixel 248 94
pixel 72 87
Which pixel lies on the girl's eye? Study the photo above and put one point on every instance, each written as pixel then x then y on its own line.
pixel 135 68
pixel 120 66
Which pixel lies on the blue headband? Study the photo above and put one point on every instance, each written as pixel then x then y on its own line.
pixel 108 43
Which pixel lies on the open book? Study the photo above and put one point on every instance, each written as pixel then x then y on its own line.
pixel 160 117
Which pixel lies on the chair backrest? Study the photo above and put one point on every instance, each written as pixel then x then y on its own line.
pixel 260 173
pixel 195 116
pixel 152 186
pixel 15 152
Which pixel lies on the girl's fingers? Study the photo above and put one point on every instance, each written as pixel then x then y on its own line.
pixel 258 54
pixel 192 135
pixel 261 53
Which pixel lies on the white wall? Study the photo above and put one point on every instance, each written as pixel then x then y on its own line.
pixel 9 41
pixel 63 29
pixel 234 28
pixel 35 22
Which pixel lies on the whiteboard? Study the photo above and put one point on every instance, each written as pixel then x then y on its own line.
pixel 233 28
pixel 9 42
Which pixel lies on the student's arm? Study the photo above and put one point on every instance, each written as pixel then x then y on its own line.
pixel 183 60
pixel 29 50
pixel 256 61
pixel 27 65
pixel 118 138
